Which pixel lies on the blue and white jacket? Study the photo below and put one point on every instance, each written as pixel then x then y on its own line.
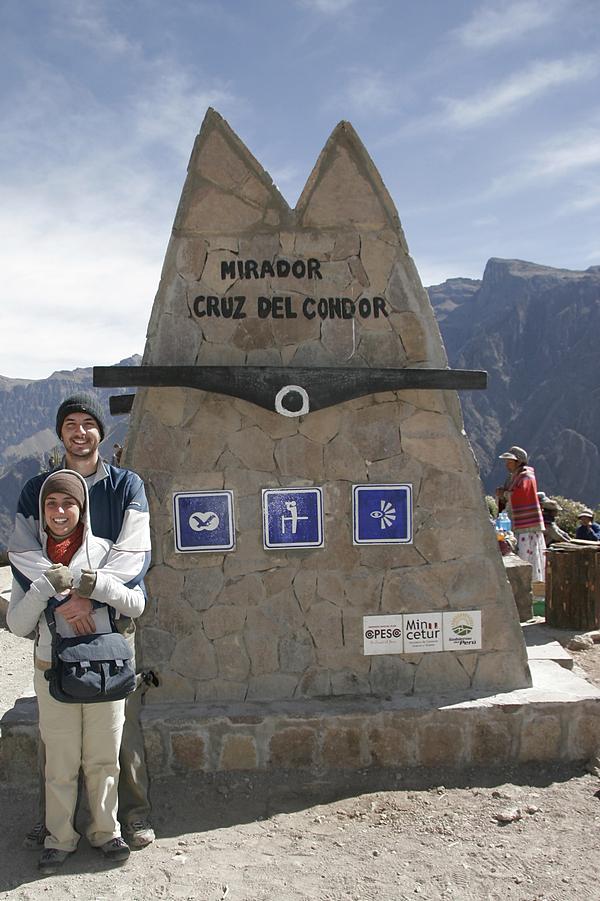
pixel 26 609
pixel 118 513
pixel 588 533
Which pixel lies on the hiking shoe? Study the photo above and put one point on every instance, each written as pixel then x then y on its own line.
pixel 51 860
pixel 138 834
pixel 35 837
pixel 115 849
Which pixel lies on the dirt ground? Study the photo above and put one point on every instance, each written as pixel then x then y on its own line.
pixel 245 839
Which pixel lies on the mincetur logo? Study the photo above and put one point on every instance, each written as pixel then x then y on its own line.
pixel 462 625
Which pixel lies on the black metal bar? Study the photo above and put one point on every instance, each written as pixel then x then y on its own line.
pixel 325 385
pixel 120 403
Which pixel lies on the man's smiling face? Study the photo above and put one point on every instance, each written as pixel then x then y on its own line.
pixel 80 435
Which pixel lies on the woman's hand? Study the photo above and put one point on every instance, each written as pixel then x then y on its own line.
pixel 87 583
pixel 60 577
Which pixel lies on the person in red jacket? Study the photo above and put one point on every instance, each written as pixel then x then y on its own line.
pixel 519 495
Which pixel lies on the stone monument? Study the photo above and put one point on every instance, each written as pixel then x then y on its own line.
pixel 326 589
pixel 326 592
pixel 249 282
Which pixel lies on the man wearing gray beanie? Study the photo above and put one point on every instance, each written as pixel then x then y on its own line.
pixel 80 403
pixel 118 512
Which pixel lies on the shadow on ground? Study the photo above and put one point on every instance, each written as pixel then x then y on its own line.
pixel 206 803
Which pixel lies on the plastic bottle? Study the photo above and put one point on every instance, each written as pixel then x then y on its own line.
pixel 503 523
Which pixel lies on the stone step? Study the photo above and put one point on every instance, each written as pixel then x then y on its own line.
pixel 552 651
pixel 557 720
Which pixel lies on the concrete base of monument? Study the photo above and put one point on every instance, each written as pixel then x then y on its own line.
pixel 555 721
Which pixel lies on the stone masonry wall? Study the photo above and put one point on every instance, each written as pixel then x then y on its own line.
pixel 330 740
pixel 263 625
pixel 310 737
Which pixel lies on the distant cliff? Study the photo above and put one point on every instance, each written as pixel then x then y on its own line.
pixel 536 331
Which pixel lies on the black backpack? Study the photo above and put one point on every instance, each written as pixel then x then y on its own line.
pixel 88 669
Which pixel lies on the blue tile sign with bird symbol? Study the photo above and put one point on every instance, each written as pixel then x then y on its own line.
pixel 382 514
pixel 204 521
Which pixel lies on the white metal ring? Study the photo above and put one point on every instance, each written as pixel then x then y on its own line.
pixel 283 392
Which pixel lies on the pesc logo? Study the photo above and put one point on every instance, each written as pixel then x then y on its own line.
pixel 383 634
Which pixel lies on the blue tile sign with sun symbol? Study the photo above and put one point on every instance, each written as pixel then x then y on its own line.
pixel 204 521
pixel 292 517
pixel 382 514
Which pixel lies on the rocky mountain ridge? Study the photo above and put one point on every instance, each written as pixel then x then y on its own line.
pixel 533 328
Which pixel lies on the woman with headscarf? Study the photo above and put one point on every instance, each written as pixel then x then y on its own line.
pixel 520 498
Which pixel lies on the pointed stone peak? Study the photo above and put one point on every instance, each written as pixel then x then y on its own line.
pixel 216 136
pixel 345 187
pixel 226 187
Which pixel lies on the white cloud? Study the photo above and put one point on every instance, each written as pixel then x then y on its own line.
pixel 76 291
pixel 573 152
pixel 520 88
pixel 370 91
pixel 590 200
pixel 499 22
pixel 485 221
pixel 89 195
pixel 171 112
pixel 578 151
pixel 329 7
pixel 84 21
pixel 503 98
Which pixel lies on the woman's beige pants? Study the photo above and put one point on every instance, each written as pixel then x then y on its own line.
pixel 86 736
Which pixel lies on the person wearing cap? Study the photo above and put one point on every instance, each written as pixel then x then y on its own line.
pixel 75 736
pixel 587 530
pixel 519 496
pixel 550 510
pixel 118 513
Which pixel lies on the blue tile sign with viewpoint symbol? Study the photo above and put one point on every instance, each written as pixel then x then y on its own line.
pixel 292 517
pixel 203 521
pixel 382 514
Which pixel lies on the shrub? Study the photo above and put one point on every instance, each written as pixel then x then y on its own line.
pixel 492 505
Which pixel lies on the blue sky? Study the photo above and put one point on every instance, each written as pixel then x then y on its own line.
pixel 483 118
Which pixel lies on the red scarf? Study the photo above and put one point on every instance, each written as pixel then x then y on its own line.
pixel 62 550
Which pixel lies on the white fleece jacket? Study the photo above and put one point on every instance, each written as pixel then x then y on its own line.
pixel 26 610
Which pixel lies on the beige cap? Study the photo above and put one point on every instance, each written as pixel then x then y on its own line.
pixel 549 504
pixel 514 453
